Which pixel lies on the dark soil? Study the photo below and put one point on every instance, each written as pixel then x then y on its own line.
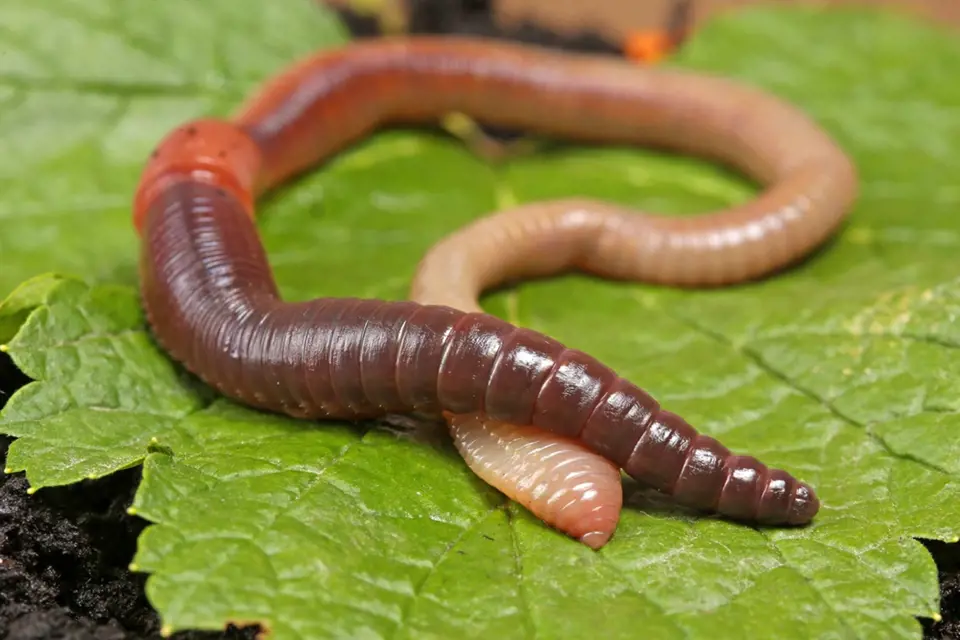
pixel 64 552
pixel 947 557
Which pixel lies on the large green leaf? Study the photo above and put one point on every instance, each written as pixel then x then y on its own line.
pixel 841 370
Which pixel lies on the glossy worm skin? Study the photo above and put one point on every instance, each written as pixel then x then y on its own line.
pixel 556 478
pixel 212 302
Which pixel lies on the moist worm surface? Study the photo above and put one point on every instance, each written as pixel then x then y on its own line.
pixel 213 304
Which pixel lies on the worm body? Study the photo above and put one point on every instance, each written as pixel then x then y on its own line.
pixel 554 477
pixel 212 302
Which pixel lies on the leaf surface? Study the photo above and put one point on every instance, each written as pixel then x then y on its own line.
pixel 842 370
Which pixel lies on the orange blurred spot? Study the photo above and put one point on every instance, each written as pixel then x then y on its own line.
pixel 648 47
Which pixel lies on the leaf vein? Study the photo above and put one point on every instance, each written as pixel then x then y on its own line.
pixel 783 378
pixel 529 622
pixel 809 582
pixel 404 612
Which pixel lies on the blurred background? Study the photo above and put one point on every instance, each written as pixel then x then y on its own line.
pixel 613 20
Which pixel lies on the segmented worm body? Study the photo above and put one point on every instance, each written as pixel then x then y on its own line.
pixel 213 304
pixel 556 478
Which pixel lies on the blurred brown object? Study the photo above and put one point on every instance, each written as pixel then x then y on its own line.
pixel 615 19
pixel 612 19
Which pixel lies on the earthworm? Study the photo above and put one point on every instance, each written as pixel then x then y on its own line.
pixel 556 478
pixel 212 303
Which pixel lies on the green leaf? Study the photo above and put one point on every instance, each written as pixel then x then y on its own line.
pixel 24 299
pixel 83 105
pixel 842 370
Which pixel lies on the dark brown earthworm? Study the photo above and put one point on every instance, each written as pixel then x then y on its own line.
pixel 212 302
